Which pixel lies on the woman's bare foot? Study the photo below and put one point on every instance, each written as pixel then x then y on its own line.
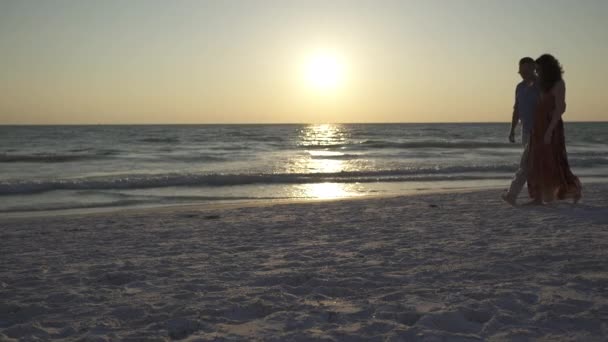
pixel 534 202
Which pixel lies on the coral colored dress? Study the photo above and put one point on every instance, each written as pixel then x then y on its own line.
pixel 549 174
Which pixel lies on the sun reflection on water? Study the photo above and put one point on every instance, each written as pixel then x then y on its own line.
pixel 327 190
pixel 320 138
pixel 324 135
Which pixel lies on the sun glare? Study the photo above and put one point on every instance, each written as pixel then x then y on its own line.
pixel 324 71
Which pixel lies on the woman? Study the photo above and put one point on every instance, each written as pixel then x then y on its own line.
pixel 549 175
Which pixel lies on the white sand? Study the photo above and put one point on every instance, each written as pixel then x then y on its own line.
pixel 435 267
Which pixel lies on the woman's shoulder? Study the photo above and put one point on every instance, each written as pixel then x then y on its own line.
pixel 558 87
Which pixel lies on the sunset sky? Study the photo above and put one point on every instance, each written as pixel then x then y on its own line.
pixel 113 62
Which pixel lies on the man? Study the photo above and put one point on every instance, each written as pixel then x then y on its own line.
pixel 527 94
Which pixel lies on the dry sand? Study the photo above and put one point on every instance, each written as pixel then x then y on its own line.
pixel 434 267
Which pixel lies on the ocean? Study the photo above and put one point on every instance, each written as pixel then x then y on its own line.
pixel 86 167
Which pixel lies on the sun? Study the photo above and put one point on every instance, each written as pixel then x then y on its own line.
pixel 324 71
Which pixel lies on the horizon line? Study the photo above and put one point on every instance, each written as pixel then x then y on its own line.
pixel 277 123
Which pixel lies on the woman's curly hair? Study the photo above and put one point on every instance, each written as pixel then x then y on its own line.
pixel 549 71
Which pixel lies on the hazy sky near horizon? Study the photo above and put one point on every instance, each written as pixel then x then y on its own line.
pixel 106 61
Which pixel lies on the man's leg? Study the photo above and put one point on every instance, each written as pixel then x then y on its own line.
pixel 520 178
pixel 525 137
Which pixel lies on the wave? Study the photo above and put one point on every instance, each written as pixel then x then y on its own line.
pixel 196 158
pixel 150 201
pixel 435 144
pixel 177 179
pixel 230 148
pixel 160 140
pixel 380 144
pixel 71 205
pixel 52 157
pixel 588 162
pixel 143 181
pixel 345 156
pixel 57 157
pixel 575 161
pixel 263 138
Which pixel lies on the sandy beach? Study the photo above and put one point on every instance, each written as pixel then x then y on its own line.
pixel 432 267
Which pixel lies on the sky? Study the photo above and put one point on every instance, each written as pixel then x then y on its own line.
pixel 233 61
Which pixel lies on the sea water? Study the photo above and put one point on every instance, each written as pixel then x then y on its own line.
pixel 69 167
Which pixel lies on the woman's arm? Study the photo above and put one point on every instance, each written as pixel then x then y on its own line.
pixel 559 93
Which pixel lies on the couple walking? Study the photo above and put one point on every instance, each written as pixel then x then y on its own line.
pixel 539 105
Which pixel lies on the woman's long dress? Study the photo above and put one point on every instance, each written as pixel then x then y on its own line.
pixel 549 174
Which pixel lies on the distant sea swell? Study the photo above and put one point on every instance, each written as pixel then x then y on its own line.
pixel 362 145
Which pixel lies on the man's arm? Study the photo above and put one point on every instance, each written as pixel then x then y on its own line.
pixel 514 121
pixel 559 93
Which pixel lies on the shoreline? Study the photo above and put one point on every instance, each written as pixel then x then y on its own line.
pixel 218 205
